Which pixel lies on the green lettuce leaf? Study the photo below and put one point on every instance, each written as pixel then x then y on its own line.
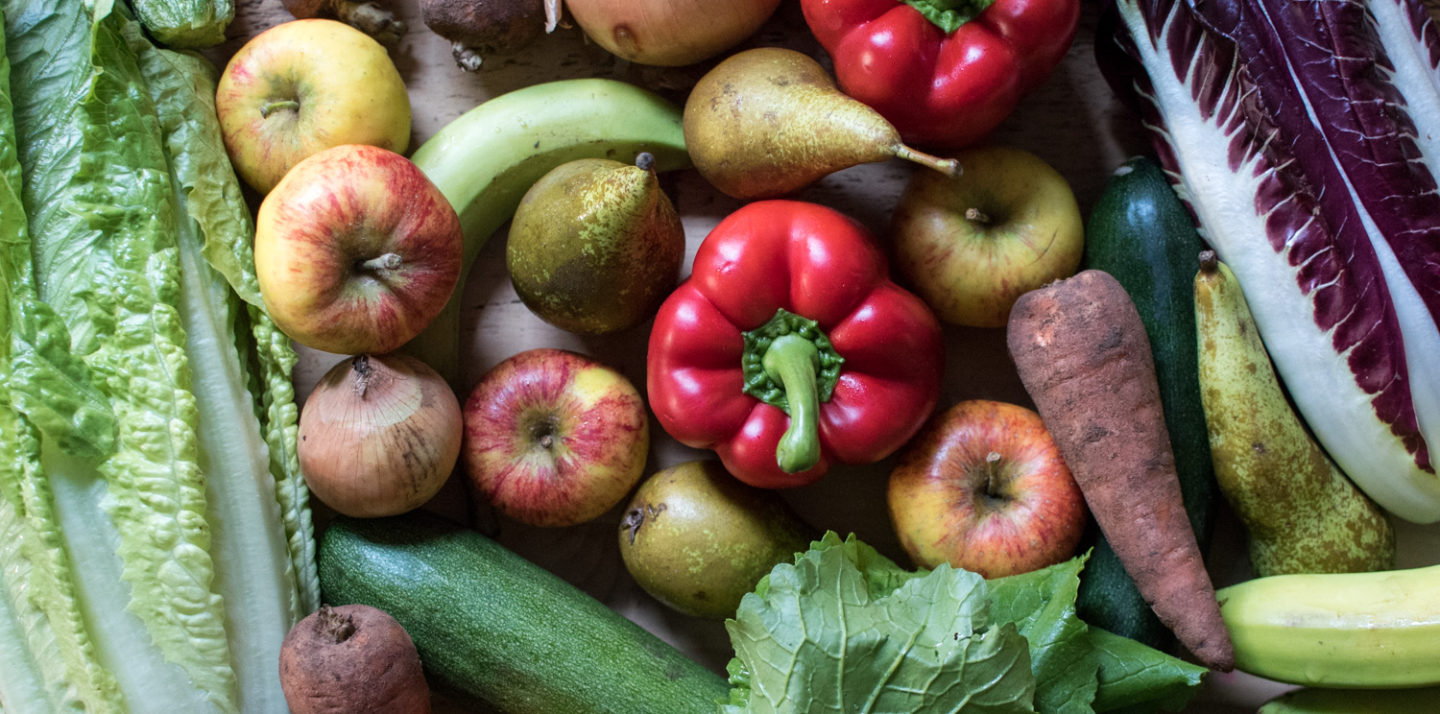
pixel 98 190
pixel 846 629
pixel 821 636
pixel 189 24
pixel 196 549
pixel 47 661
pixel 221 229
pixel 1135 677
pixel 1042 604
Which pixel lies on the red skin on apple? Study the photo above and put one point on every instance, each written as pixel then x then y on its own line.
pixel 356 251
pixel 982 487
pixel 554 438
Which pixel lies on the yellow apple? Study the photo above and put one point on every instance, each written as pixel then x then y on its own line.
pixel 970 245
pixel 356 250
pixel 303 86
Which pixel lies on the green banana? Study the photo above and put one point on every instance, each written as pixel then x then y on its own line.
pixel 486 159
pixel 1301 513
pixel 1336 630
pixel 1353 701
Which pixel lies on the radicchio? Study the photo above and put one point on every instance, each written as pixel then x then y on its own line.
pixel 1305 137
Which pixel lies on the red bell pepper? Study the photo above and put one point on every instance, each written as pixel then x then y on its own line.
pixel 789 347
pixel 944 72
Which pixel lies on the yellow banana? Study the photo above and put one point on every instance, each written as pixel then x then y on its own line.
pixel 487 158
pixel 1302 514
pixel 1334 630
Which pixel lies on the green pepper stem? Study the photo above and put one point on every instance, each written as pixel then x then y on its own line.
pixel 792 361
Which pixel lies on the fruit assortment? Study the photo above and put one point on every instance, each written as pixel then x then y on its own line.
pixel 783 354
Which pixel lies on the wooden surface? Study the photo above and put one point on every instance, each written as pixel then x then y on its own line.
pixel 1072 122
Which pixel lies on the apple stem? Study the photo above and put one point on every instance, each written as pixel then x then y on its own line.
pixel 269 108
pixel 949 167
pixel 792 361
pixel 992 459
pixel 388 261
pixel 976 215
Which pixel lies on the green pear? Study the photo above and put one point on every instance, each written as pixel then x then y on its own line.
pixel 769 121
pixel 698 539
pixel 1301 513
pixel 595 245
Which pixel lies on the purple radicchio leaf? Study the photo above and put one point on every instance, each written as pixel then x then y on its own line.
pixel 1290 130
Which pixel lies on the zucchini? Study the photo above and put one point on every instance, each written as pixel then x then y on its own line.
pixel 491 624
pixel 1141 233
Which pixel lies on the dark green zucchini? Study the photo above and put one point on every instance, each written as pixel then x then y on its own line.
pixel 1141 233
pixel 492 625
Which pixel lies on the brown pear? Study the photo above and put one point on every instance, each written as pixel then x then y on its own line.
pixel 770 121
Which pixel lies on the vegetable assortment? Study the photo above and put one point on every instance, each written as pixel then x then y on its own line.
pixel 156 542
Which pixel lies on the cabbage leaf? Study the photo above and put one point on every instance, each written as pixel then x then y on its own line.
pixel 844 628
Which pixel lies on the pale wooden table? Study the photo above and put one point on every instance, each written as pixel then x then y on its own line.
pixel 1072 122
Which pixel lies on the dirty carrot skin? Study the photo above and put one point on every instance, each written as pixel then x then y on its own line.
pixel 1082 354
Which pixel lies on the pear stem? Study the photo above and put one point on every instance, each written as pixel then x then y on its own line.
pixel 949 167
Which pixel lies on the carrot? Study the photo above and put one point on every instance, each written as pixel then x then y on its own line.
pixel 1083 357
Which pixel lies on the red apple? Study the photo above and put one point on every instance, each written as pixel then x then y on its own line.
pixel 982 487
pixel 356 251
pixel 304 86
pixel 970 245
pixel 554 438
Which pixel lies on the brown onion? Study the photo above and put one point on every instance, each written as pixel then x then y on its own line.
pixel 379 435
pixel 669 33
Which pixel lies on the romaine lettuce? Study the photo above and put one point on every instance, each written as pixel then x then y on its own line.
pixel 186 24
pixel 157 538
